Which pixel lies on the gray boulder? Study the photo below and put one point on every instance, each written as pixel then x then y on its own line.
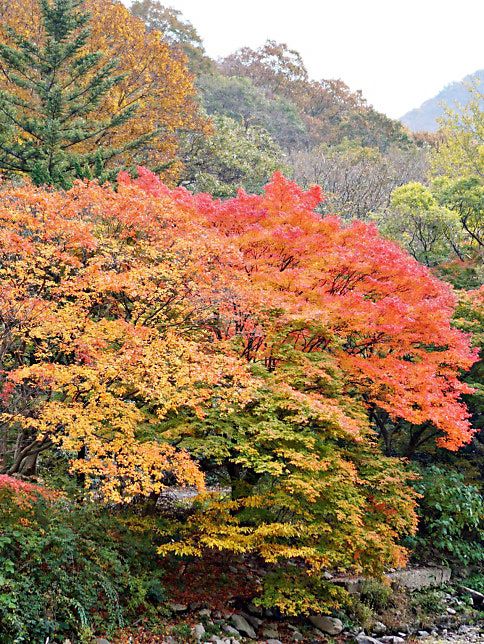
pixel 379 628
pixel 270 633
pixel 424 577
pixel 477 597
pixel 205 612
pixel 326 624
pixel 243 626
pixel 178 608
pixel 255 622
pixel 199 631
pixel 255 610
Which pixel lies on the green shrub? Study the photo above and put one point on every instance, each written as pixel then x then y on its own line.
pixel 294 592
pixel 375 594
pixel 428 601
pixel 68 571
pixel 357 614
pixel 182 631
pixel 451 514
pixel 475 581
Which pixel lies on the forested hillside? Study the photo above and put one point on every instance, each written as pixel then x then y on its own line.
pixel 267 113
pixel 426 117
pixel 241 326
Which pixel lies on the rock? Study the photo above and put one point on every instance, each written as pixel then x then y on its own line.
pixel 411 578
pixel 270 633
pixel 353 585
pixel 418 578
pixel 477 597
pixel 230 630
pixel 205 612
pixel 178 608
pixel 393 639
pixel 451 611
pixel 366 639
pixel 199 631
pixel 326 624
pixel 255 622
pixel 297 636
pixel 101 640
pixel 243 626
pixel 379 628
pixel 272 641
pixel 327 575
pixel 423 633
pixel 255 610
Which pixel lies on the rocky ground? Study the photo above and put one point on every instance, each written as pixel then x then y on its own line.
pixel 206 625
pixel 420 605
pixel 464 635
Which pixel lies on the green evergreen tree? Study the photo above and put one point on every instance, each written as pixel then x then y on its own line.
pixel 55 88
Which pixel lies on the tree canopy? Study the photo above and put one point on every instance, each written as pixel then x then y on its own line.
pixel 150 78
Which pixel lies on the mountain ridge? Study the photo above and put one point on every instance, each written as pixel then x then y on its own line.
pixel 424 117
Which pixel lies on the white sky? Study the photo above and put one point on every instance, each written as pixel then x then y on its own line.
pixel 398 53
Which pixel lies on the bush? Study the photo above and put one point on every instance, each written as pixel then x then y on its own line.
pixel 451 513
pixel 428 601
pixel 475 581
pixel 294 592
pixel 376 594
pixel 68 571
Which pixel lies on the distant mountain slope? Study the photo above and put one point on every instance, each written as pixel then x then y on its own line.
pixel 424 118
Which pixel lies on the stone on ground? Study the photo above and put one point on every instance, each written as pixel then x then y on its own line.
pixel 326 624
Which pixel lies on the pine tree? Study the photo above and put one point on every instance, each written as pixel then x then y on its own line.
pixel 46 117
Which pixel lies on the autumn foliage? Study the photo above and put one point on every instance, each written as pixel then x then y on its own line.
pixel 161 338
pixel 154 79
pixel 319 287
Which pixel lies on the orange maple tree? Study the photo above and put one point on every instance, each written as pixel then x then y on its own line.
pixel 317 285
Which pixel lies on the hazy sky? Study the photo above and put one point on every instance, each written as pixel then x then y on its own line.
pixel 399 53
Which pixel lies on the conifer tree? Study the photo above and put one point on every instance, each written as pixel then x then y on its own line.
pixel 47 115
